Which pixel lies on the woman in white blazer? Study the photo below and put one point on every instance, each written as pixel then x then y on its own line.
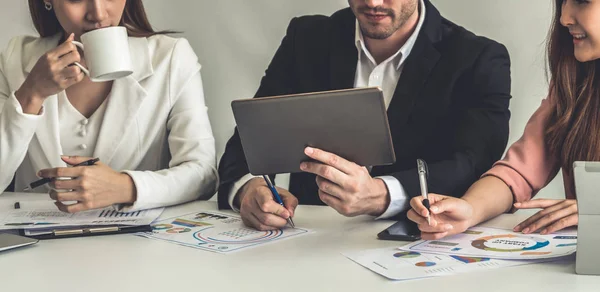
pixel 150 130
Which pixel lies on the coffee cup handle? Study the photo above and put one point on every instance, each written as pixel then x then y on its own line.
pixel 85 70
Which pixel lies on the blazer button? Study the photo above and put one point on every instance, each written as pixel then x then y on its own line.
pixel 84 122
pixel 83 133
pixel 83 146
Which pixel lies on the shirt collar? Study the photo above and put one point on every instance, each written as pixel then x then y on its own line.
pixel 404 51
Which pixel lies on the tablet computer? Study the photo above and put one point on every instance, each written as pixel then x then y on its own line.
pixel 351 123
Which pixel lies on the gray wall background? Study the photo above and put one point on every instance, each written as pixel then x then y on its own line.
pixel 236 39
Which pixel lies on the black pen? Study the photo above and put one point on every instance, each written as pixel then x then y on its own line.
pixel 46 180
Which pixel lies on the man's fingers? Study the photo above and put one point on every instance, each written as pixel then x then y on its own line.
pixel 251 221
pixel 326 171
pixel 289 200
pixel 537 203
pixel 330 188
pixel 270 220
pixel 330 159
pixel 330 200
pixel 266 204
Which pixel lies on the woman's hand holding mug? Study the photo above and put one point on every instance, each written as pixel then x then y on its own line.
pixel 53 73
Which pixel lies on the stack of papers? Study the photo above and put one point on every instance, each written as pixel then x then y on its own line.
pixel 478 248
pixel 500 244
pixel 44 215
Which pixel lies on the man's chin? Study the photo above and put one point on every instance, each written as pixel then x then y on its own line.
pixel 378 34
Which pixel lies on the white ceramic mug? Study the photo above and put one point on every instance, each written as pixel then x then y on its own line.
pixel 106 53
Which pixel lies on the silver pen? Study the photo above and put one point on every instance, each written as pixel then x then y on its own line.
pixel 422 169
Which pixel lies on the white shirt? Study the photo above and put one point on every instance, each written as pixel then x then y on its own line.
pixel 78 134
pixel 385 76
pixel 370 74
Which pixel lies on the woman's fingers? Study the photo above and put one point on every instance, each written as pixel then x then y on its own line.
pixel 561 224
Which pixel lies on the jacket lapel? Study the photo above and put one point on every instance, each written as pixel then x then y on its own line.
pixel 344 55
pixel 419 64
pixel 124 102
pixel 416 71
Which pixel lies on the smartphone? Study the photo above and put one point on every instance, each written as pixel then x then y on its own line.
pixel 404 230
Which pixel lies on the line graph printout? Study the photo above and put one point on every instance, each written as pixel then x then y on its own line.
pixel 500 244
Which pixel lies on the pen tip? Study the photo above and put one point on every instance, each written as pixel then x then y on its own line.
pixel 27 189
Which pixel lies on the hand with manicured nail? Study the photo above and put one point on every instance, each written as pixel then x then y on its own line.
pixel 449 216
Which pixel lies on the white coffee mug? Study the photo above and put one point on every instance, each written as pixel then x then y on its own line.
pixel 106 53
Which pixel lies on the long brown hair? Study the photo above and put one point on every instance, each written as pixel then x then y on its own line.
pixel 573 130
pixel 134 19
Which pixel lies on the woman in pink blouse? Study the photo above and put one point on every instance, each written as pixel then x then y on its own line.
pixel 564 129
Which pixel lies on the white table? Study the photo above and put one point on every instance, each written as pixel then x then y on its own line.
pixel 310 262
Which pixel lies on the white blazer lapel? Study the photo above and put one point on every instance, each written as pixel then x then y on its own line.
pixel 125 100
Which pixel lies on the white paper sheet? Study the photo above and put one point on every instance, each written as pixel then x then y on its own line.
pixel 216 232
pixel 44 215
pixel 396 264
pixel 499 244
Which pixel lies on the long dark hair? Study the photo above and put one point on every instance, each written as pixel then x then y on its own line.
pixel 573 129
pixel 134 19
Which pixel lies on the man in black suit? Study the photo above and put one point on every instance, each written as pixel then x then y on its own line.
pixel 446 89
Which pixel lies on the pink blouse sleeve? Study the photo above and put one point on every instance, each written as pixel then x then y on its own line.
pixel 527 166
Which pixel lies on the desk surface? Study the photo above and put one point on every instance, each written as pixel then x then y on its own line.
pixel 311 262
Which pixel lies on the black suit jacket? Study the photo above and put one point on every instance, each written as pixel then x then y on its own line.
pixel 450 106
